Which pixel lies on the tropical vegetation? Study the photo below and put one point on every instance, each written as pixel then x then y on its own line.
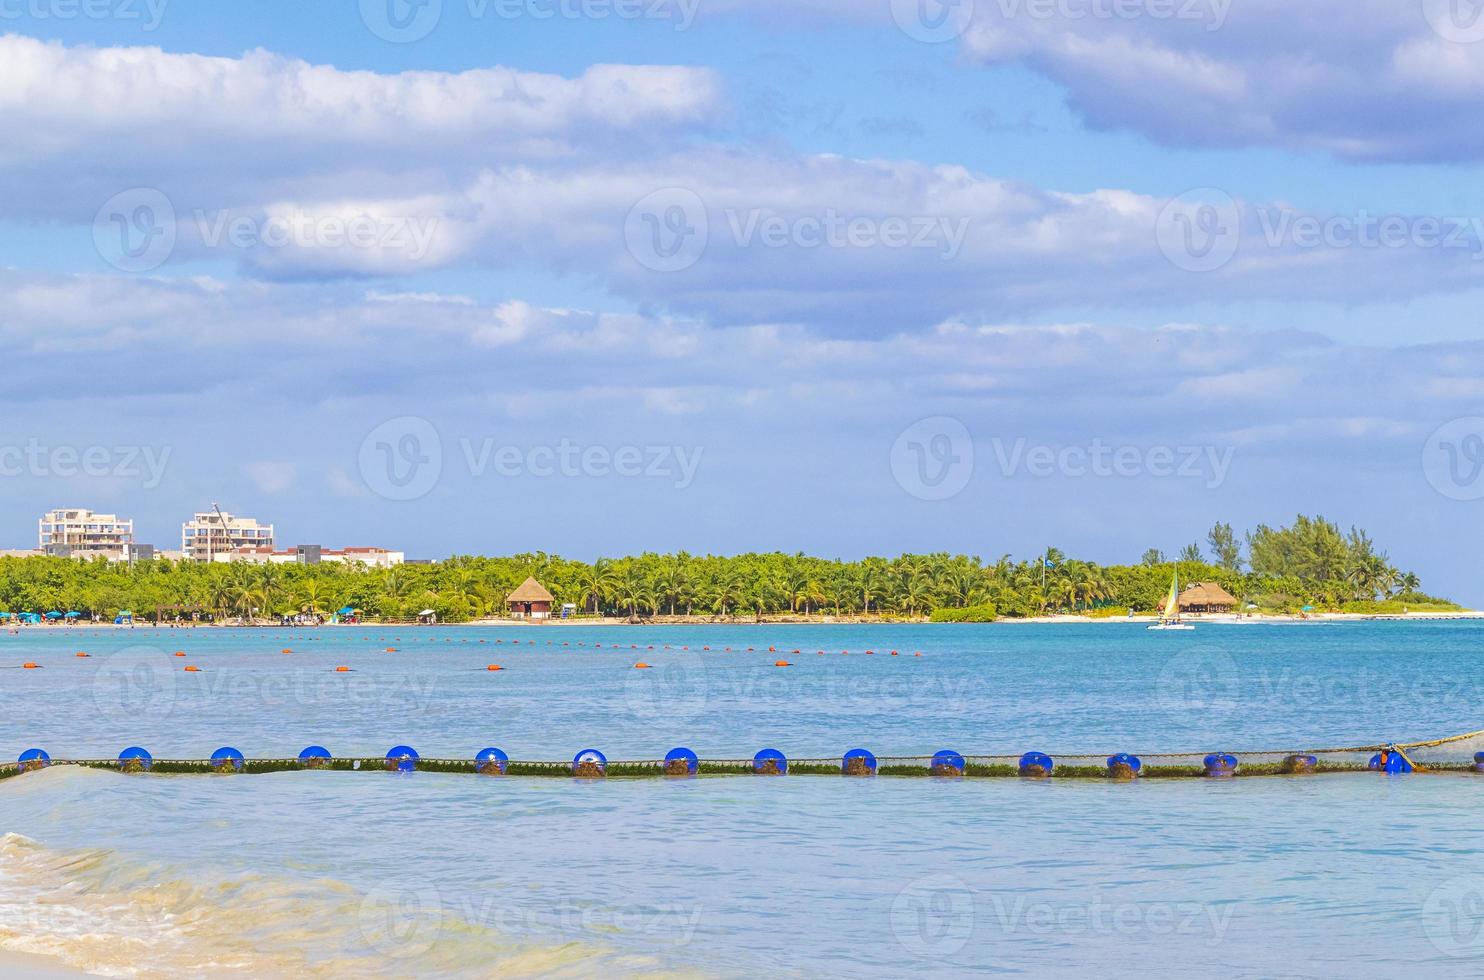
pixel 1309 563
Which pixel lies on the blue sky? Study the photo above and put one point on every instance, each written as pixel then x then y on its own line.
pixel 1077 272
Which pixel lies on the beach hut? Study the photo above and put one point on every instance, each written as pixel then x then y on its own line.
pixel 530 601
pixel 1207 597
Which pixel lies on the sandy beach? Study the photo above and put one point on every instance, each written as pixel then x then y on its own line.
pixel 1318 617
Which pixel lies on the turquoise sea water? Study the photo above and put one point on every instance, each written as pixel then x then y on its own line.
pixel 385 874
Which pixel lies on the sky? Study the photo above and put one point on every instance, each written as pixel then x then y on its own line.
pixel 845 277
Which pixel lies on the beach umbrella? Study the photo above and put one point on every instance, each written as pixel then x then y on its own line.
pixel 426 612
pixel 348 611
pixel 73 614
pixel 53 615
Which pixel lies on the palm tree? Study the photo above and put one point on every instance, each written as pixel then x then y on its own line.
pixel 598 581
pixel 312 594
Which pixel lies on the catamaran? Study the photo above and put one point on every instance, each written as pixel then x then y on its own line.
pixel 1169 619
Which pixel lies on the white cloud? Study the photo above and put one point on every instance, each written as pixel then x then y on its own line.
pixel 272 477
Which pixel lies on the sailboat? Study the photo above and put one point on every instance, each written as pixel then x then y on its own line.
pixel 1169 619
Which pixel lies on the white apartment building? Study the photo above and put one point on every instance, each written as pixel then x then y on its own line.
pixel 208 534
pixel 81 533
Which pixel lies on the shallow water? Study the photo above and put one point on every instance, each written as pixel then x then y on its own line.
pixel 350 874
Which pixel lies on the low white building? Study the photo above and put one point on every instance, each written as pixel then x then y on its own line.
pixel 313 555
pixel 81 533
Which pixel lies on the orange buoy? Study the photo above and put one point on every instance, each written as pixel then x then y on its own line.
pixel 391 649
pixel 893 653
pixel 81 654
pixel 192 669
pixel 772 649
pixel 28 665
pixel 782 663
pixel 494 667
pixel 917 655
pixel 286 650
pixel 180 653
pixel 342 670
pixel 641 665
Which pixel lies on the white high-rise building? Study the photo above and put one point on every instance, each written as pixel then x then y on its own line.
pixel 208 534
pixel 80 532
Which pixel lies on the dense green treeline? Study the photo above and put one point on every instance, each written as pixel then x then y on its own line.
pixel 1279 569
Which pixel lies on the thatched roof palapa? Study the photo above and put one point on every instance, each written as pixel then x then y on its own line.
pixel 530 591
pixel 1206 594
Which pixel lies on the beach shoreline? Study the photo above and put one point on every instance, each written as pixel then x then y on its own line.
pixel 1056 619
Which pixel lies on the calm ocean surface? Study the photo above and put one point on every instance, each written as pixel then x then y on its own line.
pixel 382 874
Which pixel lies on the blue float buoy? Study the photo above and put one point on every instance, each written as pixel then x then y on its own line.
pixel 315 756
pixel 32 759
pixel 1479 762
pixel 401 758
pixel 770 762
pixel 1124 766
pixel 1036 764
pixel 681 762
pixel 1389 762
pixel 226 757
pixel 858 762
pixel 135 759
pixel 1220 764
pixel 491 762
pixel 946 762
pixel 589 763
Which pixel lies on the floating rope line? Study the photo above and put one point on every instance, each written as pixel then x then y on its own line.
pixel 1389 757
